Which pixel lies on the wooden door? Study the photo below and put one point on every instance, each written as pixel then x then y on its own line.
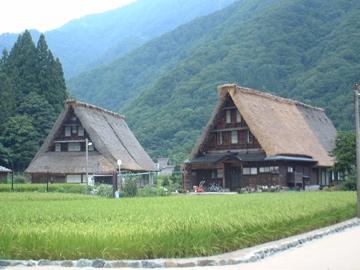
pixel 233 177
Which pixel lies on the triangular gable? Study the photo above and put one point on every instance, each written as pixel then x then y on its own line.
pixel 47 142
pixel 202 141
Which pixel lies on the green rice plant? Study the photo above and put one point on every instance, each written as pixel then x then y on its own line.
pixel 73 226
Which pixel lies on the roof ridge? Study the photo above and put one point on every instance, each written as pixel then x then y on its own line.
pixel 74 103
pixel 269 96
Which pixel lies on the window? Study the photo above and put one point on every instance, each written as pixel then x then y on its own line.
pixel 81 131
pixel 274 169
pixel 73 179
pixel 234 137
pixel 250 171
pixel 250 138
pixel 57 147
pixel 264 169
pixel 246 171
pixel 74 147
pixel 220 138
pixel 253 171
pixel 67 131
pixel 290 169
pixel 74 130
pixel 238 117
pixel 228 117
pixel 213 174
pixel 220 173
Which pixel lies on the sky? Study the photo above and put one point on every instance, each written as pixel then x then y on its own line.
pixel 44 15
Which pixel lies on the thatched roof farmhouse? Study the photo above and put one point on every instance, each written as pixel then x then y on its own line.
pixel 62 154
pixel 254 138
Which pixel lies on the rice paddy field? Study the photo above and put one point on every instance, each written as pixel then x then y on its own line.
pixel 72 226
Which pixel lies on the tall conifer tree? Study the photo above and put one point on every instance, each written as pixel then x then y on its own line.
pixel 21 66
pixel 32 93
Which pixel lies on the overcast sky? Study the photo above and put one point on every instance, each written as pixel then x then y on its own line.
pixel 43 15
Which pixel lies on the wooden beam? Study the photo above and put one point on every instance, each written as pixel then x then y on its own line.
pixel 229 108
pixel 223 178
pixel 230 129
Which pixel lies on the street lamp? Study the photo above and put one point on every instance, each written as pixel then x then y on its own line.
pixel 87 144
pixel 357 125
pixel 119 162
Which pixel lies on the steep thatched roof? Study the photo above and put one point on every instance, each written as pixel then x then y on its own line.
pixel 111 137
pixel 282 126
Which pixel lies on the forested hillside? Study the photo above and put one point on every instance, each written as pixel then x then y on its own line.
pixel 96 39
pixel 302 49
pixel 32 93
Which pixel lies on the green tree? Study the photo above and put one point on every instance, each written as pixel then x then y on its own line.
pixel 21 66
pixel 345 151
pixel 42 114
pixel 20 137
pixel 4 156
pixel 50 76
pixel 32 93
pixel 7 98
pixel 3 60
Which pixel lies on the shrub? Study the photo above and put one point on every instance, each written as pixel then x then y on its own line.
pixel 148 191
pixel 20 179
pixel 63 188
pixel 80 189
pixel 103 190
pixel 130 188
pixel 152 191
pixel 349 184
pixel 171 183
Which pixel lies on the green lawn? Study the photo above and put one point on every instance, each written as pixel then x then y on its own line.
pixel 69 226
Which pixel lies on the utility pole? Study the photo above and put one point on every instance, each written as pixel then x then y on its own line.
pixel 357 125
pixel 87 160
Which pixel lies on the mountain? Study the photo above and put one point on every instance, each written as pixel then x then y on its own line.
pixel 97 39
pixel 307 50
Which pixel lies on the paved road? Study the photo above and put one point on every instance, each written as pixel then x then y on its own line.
pixel 340 251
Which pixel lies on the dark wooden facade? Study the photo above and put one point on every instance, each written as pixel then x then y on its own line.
pixel 71 131
pixel 232 157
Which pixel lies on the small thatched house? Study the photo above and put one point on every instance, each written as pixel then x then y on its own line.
pixel 4 173
pixel 165 168
pixel 62 156
pixel 254 138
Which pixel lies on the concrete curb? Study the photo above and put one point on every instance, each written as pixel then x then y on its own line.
pixel 247 255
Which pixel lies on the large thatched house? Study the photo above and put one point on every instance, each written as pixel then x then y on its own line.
pixel 254 138
pixel 62 156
